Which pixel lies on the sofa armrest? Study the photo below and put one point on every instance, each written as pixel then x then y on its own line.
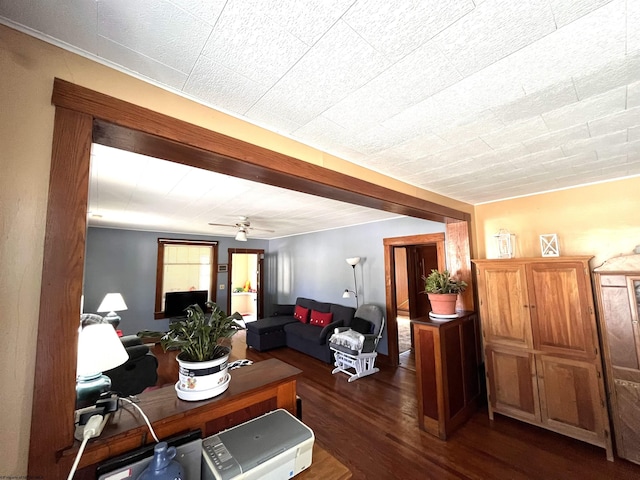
pixel 328 330
pixel 282 309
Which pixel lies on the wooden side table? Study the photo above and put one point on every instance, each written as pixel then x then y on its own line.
pixel 448 383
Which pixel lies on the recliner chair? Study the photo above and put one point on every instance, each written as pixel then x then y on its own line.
pixel 354 346
pixel 137 373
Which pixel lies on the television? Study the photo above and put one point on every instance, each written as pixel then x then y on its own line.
pixel 175 303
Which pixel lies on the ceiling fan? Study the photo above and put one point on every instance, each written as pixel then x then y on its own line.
pixel 243 225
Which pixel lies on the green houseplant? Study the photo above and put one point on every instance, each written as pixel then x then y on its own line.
pixel 204 342
pixel 442 290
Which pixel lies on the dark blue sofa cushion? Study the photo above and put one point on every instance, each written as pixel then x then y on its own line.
pixel 271 324
pixel 308 332
pixel 313 305
pixel 342 313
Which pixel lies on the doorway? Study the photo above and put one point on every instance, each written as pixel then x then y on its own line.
pixel 245 294
pixel 411 264
pixel 407 259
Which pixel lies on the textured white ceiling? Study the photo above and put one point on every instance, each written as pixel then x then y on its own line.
pixel 476 100
pixel 127 190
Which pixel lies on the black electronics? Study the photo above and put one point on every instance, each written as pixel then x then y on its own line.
pixel 175 303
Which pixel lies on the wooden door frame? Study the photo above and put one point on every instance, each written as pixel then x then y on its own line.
pixel 83 116
pixel 260 253
pixel 390 282
pixel 454 242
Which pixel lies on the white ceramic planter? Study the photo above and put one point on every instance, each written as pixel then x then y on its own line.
pixel 202 380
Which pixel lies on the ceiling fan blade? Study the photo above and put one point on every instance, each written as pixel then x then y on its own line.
pixel 222 225
pixel 261 229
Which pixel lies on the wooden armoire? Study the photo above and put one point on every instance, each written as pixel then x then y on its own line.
pixel 542 355
pixel 617 283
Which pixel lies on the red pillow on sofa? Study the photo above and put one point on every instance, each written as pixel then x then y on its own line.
pixel 321 319
pixel 301 314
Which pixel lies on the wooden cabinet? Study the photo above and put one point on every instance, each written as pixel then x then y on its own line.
pixel 617 284
pixel 448 383
pixel 541 345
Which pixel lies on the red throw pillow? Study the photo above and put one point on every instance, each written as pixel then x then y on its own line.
pixel 321 319
pixel 301 314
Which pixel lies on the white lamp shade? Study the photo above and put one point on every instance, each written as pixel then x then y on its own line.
pixel 353 261
pixel 241 236
pixel 346 294
pixel 99 349
pixel 112 302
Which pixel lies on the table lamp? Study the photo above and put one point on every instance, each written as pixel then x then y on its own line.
pixel 112 303
pixel 99 349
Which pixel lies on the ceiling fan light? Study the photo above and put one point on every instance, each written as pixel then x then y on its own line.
pixel 241 236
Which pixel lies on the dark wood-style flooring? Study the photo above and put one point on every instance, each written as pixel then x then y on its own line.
pixel 371 426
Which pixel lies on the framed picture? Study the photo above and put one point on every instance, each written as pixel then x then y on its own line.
pixel 549 245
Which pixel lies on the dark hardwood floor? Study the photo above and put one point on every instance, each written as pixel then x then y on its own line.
pixel 371 426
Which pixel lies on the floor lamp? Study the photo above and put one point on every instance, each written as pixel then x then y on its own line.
pixel 353 261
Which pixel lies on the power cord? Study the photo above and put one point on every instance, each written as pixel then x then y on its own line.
pixel 90 431
pixel 146 419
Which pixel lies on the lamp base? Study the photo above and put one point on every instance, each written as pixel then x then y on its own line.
pixel 113 318
pixel 89 388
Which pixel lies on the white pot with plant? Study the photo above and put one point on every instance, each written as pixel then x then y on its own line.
pixel 443 291
pixel 204 342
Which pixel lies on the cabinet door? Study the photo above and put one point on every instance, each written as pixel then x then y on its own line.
pixel 562 317
pixel 571 401
pixel 512 383
pixel 503 305
pixel 618 322
pixel 627 425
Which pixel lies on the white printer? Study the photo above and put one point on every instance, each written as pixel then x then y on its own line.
pixel 272 447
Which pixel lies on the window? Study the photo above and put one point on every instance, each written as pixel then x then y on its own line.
pixel 185 265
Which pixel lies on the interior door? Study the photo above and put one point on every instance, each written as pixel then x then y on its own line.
pixel 421 259
pixel 402 281
pixel 246 294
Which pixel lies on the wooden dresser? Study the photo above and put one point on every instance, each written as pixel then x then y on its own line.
pixel 541 346
pixel 617 284
pixel 447 377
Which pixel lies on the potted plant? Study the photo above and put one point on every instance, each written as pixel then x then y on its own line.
pixel 442 291
pixel 204 342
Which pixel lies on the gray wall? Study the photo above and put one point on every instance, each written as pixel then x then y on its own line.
pixel 125 261
pixel 314 265
pixel 311 265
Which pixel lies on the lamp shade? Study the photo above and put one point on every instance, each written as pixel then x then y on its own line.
pixel 346 294
pixel 241 236
pixel 112 302
pixel 353 261
pixel 99 349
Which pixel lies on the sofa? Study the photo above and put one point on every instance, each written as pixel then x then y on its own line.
pixel 308 332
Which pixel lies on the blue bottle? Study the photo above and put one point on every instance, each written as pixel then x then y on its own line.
pixel 163 466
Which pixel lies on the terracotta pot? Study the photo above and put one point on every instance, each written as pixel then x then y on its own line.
pixel 443 303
